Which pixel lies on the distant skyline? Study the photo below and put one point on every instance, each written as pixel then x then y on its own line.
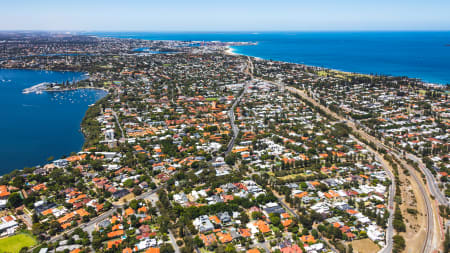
pixel 232 15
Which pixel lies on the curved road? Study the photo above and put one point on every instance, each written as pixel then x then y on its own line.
pixel 433 184
pixel 428 245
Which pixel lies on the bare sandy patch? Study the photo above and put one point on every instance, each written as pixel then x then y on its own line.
pixel 364 246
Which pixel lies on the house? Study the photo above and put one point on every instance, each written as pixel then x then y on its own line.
pixel 208 239
pixel 308 239
pixel 116 233
pixel 4 193
pixel 203 224
pixel 244 232
pixel 120 193
pixel 147 243
pixel 152 250
pixel 317 247
pixel 291 249
pixel 61 163
pixel 262 226
pixel 375 233
pixel 103 224
pixel 273 208
pixel 3 203
pixel 8 225
pixel 224 217
pixel 224 237
pixel 180 198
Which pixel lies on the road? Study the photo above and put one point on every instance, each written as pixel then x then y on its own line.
pixel 390 228
pixel 286 206
pixel 174 242
pixel 90 225
pixel 234 128
pixel 431 215
pixel 433 184
pixel 428 245
pixel 118 124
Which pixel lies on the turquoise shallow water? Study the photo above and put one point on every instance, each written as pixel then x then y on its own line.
pixel 424 55
pixel 34 127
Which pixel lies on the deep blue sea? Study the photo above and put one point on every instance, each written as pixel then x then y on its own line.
pixel 424 55
pixel 36 126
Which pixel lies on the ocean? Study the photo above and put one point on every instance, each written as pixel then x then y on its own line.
pixel 424 55
pixel 36 126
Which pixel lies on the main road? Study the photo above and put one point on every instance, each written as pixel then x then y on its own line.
pixel 234 128
pixel 433 184
pixel 428 245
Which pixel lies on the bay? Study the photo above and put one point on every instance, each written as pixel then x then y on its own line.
pixel 34 127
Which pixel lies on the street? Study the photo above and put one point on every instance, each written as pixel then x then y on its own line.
pixel 428 245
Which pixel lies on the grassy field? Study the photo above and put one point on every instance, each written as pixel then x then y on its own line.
pixel 365 246
pixel 340 74
pixel 292 176
pixel 14 243
pixel 125 199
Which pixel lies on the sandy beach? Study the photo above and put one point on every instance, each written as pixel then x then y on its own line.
pixel 229 51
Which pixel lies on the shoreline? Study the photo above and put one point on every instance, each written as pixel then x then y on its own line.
pixel 78 88
pixel 232 52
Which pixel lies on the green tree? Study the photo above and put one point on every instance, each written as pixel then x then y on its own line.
pixel 231 159
pixel 244 218
pixel 399 243
pixel 15 200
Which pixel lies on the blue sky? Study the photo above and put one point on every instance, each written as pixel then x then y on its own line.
pixel 224 15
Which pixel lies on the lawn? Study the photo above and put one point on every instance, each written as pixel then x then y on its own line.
pixel 14 243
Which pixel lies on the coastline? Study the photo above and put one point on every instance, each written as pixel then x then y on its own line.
pixel 78 88
pixel 85 77
pixel 375 55
pixel 232 51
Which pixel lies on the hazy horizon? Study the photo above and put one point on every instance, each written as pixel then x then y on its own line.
pixel 233 16
pixel 218 31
